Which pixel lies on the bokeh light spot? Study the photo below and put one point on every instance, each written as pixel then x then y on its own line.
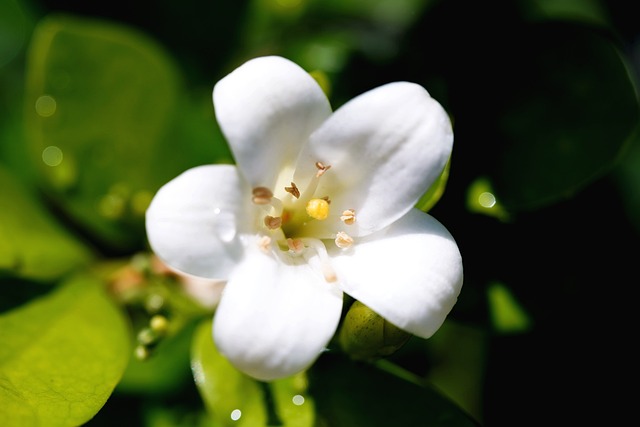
pixel 52 156
pixel 236 414
pixel 298 399
pixel 112 206
pixel 487 200
pixel 46 106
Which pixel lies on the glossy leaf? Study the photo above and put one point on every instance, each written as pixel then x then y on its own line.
pixel 507 314
pixel 99 99
pixel 32 243
pixel 349 393
pixel 14 28
pixel 234 399
pixel 166 371
pixel 565 119
pixel 435 192
pixel 61 356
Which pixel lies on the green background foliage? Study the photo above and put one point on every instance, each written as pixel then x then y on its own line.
pixel 103 102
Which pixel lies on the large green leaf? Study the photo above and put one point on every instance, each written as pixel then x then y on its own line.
pixel 61 356
pixel 165 372
pixel 99 99
pixel 351 394
pixel 234 399
pixel 13 29
pixel 568 109
pixel 32 243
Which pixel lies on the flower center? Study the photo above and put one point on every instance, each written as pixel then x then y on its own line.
pixel 282 224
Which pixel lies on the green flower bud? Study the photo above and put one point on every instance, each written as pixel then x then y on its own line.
pixel 147 337
pixel 366 335
pixel 159 324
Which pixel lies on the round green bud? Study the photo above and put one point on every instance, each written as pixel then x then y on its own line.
pixel 159 324
pixel 366 335
pixel 147 337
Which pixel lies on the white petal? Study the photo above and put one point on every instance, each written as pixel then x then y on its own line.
pixel 410 274
pixel 275 319
pixel 385 148
pixel 267 108
pixel 195 221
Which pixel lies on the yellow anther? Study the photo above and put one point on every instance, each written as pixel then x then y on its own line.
pixel 318 209
pixel 272 223
pixel 261 195
pixel 348 216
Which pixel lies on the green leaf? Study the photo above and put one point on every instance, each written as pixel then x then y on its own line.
pixel 566 117
pixel 166 371
pixel 435 192
pixel 61 356
pixel 349 393
pixel 481 199
pixel 14 28
pixel 99 98
pixel 32 244
pixel 234 399
pixel 507 314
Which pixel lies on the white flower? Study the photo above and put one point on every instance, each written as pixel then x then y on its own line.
pixel 320 203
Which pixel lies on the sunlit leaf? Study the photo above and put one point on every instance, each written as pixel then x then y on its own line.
pixel 61 356
pixel 32 243
pixel 481 199
pixel 166 371
pixel 99 99
pixel 433 194
pixel 234 399
pixel 351 393
pixel 507 314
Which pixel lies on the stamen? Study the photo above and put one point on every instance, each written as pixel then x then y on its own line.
pixel 327 199
pixel 295 245
pixel 348 216
pixel 321 251
pixel 343 240
pixel 322 168
pixel 293 190
pixel 262 196
pixel 318 209
pixel 264 243
pixel 272 223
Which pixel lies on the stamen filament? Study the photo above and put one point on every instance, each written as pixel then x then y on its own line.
pixel 321 251
pixel 263 197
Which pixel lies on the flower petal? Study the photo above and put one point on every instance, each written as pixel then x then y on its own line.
pixel 194 222
pixel 275 318
pixel 410 273
pixel 385 148
pixel 267 108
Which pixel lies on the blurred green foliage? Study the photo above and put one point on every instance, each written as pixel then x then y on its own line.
pixel 103 102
